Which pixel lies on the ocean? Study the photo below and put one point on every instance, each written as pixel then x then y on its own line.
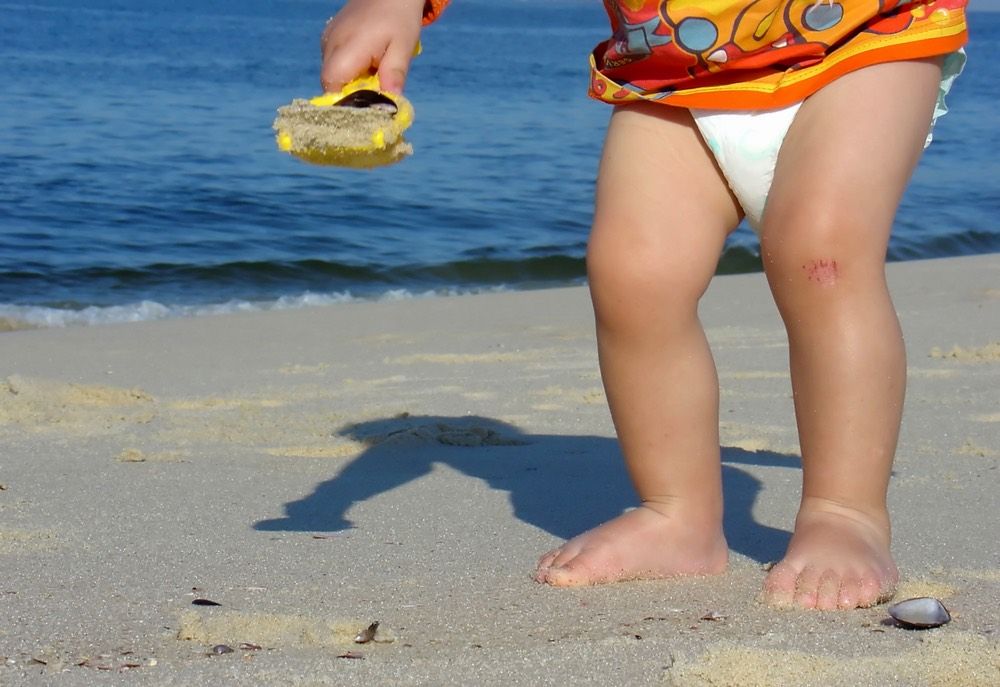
pixel 139 177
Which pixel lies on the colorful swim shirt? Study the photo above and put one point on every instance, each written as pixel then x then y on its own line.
pixel 757 54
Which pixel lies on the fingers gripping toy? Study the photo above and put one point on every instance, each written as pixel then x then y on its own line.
pixel 358 126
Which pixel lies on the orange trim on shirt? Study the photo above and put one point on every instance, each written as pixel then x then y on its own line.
pixel 731 98
pixel 433 9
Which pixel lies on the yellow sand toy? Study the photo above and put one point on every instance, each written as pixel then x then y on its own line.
pixel 359 126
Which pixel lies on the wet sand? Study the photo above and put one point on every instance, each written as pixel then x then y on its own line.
pixel 313 471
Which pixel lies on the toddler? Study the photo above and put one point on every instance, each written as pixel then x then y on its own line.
pixel 807 117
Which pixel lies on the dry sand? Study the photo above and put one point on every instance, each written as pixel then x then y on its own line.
pixel 313 471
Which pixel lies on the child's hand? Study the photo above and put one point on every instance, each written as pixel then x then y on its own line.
pixel 368 36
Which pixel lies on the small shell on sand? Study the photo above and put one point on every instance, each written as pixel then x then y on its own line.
pixel 920 613
pixel 368 634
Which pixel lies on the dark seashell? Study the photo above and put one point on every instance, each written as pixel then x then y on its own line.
pixel 219 649
pixel 920 613
pixel 205 602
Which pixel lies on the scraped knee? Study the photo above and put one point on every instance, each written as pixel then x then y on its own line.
pixel 821 271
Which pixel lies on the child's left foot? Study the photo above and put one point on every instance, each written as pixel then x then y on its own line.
pixel 838 558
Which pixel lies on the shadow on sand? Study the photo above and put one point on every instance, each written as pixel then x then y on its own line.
pixel 563 484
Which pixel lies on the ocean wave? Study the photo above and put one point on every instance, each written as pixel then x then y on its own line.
pixel 288 284
pixel 20 317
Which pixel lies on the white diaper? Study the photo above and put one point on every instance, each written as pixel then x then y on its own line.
pixel 746 142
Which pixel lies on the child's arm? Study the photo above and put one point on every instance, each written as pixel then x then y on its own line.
pixel 374 36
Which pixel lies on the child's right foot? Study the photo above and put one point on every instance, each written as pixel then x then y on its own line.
pixel 640 544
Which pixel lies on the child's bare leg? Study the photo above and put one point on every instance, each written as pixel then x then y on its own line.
pixel 662 214
pixel 840 176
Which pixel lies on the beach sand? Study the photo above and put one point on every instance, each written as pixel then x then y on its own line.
pixel 314 471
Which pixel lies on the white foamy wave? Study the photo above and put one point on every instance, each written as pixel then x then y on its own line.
pixel 14 317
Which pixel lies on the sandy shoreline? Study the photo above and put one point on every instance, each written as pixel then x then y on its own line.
pixel 315 470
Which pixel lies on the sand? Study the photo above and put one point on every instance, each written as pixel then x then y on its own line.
pixel 335 135
pixel 314 471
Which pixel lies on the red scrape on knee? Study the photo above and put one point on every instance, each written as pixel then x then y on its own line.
pixel 823 272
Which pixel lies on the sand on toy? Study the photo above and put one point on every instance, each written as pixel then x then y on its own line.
pixel 344 136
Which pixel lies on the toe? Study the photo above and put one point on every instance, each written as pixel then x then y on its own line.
pixel 586 568
pixel 571 574
pixel 546 560
pixel 864 590
pixel 560 577
pixel 850 587
pixel 807 588
pixel 566 553
pixel 545 565
pixel 779 585
pixel 828 594
pixel 869 589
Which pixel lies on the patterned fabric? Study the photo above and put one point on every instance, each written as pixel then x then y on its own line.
pixel 756 54
pixel 433 8
pixel 760 54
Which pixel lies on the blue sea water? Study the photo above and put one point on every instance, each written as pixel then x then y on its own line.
pixel 139 177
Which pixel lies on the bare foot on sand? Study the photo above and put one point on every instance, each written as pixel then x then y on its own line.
pixel 640 544
pixel 838 558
